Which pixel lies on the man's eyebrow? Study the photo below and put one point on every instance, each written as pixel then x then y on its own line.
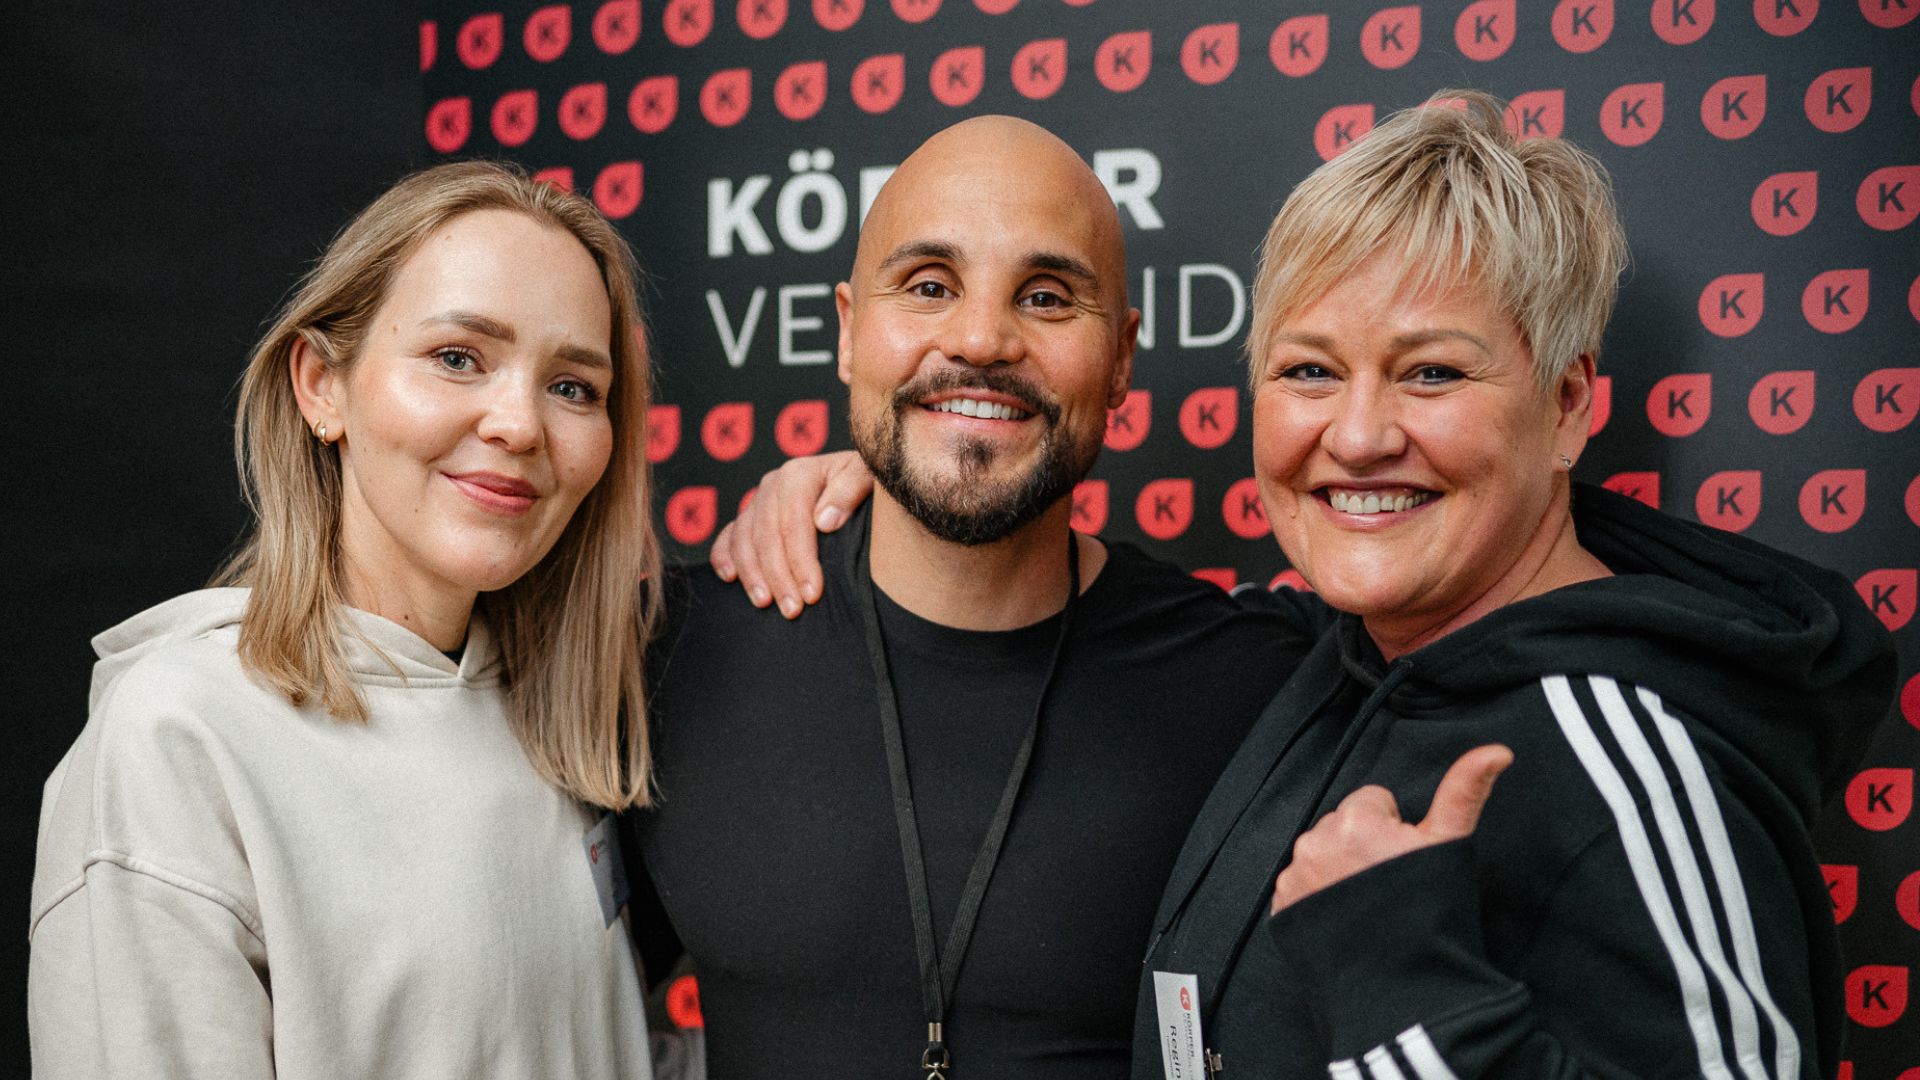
pixel 1063 264
pixel 915 250
pixel 578 355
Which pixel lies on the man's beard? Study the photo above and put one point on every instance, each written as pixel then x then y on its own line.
pixel 965 507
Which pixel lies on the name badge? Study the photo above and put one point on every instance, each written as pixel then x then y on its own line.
pixel 1182 1049
pixel 609 870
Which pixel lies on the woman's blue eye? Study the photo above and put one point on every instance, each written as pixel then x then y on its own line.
pixel 577 391
pixel 1304 371
pixel 1435 374
pixel 455 360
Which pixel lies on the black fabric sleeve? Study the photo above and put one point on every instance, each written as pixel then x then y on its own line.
pixel 653 934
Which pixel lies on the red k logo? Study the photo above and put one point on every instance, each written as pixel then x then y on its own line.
pixel 1581 26
pixel 1299 45
pixel 683 1003
pixel 1835 301
pixel 1732 304
pixel 687 22
pixel 1123 60
pixel 1733 107
pixel 1127 425
pixel 727 431
pixel 1910 697
pixel 801 89
pixel 1391 37
pixel 1644 486
pixel 761 19
pixel 1889 198
pixel 560 176
pixel 1843 889
pixel 1885 400
pixel 515 116
pixel 1729 500
pixel 616 26
pixel 1210 415
pixel 916 11
pixel 1876 994
pixel 1785 18
pixel 1880 799
pixel 1784 203
pixel 1339 127
pixel 548 32
pixel 1165 508
pixel 1832 501
pixel 837 15
pixel 618 189
pixel 1906 899
pixel 1680 404
pixel 1537 114
pixel 725 96
pixel 583 110
pixel 479 40
pixel 653 103
pixel 1224 577
pixel 690 514
pixel 1632 114
pixel 958 75
pixel 879 81
pixel 1782 402
pixel 1484 29
pixel 1682 22
pixel 1889 14
pixel 996 7
pixel 1090 506
pixel 801 428
pixel 449 123
pixel 1241 510
pixel 1889 594
pixel 429 44
pixel 1913 515
pixel 663 432
pixel 1839 100
pixel 1210 53
pixel 1602 404
pixel 1040 67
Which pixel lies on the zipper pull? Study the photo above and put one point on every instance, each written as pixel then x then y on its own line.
pixel 1214 1065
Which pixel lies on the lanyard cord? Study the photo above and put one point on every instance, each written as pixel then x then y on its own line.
pixel 940 963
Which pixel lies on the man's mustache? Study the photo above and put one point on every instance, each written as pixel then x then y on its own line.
pixel 1006 383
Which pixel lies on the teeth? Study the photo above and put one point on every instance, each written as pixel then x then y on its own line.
pixel 986 410
pixel 1374 503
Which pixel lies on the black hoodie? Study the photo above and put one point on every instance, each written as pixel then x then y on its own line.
pixel 1641 897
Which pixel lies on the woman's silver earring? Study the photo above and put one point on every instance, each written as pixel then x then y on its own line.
pixel 1565 461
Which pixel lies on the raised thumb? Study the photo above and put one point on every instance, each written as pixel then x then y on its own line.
pixel 1464 791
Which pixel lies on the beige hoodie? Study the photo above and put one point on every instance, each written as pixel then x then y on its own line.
pixel 228 886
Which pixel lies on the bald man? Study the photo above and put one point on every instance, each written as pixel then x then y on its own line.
pixel 923 829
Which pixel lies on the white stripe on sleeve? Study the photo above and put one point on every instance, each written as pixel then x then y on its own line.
pixel 1345 1069
pixel 1381 1064
pixel 1423 1055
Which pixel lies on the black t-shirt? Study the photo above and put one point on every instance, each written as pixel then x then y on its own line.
pixel 774 848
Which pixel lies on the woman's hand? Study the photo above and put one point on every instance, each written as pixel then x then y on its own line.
pixel 1365 829
pixel 771 548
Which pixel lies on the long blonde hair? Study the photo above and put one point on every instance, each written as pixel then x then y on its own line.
pixel 573 629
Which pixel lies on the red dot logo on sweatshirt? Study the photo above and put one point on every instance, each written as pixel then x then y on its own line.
pixel 1782 402
pixel 879 81
pixel 663 432
pixel 583 110
pixel 654 103
pixel 1729 500
pixel 1880 799
pixel 1833 500
pixel 1090 506
pixel 727 431
pixel 1886 400
pixel 616 26
pixel 687 22
pixel 1906 899
pixel 1642 486
pixel 1839 99
pixel 479 40
pixel 691 513
pixel 838 15
pixel 1391 37
pixel 726 95
pixel 1602 405
pixel 1632 114
pixel 916 11
pixel 1889 594
pixel 1299 45
pixel 1537 114
pixel 548 33
pixel 1128 424
pixel 515 116
pixel 1784 203
pixel 1040 68
pixel 1731 304
pixel 1682 22
pixel 1834 302
pixel 1210 415
pixel 1484 30
pixel 761 19
pixel 1581 26
pixel 1123 60
pixel 1246 518
pixel 1338 127
pixel 801 89
pixel 801 428
pixel 1889 14
pixel 1843 890
pixel 1733 107
pixel 1679 405
pixel 1164 508
pixel 618 189
pixel 1889 198
pixel 1876 994
pixel 449 123
pixel 1211 52
pixel 957 77
pixel 429 44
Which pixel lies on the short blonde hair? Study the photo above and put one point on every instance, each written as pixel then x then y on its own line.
pixel 572 629
pixel 1458 201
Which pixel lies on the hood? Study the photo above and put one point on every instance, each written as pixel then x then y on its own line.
pixel 377 650
pixel 1776 656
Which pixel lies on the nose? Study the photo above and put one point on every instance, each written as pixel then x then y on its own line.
pixel 980 330
pixel 1362 428
pixel 510 416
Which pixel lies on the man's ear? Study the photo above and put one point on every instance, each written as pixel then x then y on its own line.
pixel 1122 378
pixel 843 305
pixel 314 386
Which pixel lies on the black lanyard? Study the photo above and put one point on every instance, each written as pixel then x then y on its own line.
pixel 940 963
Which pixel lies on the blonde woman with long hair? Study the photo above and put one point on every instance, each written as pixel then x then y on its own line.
pixel 347 813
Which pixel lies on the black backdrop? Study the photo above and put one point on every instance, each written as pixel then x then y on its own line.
pixel 1763 372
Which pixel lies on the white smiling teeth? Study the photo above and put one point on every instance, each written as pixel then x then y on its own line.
pixel 986 410
pixel 1374 503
